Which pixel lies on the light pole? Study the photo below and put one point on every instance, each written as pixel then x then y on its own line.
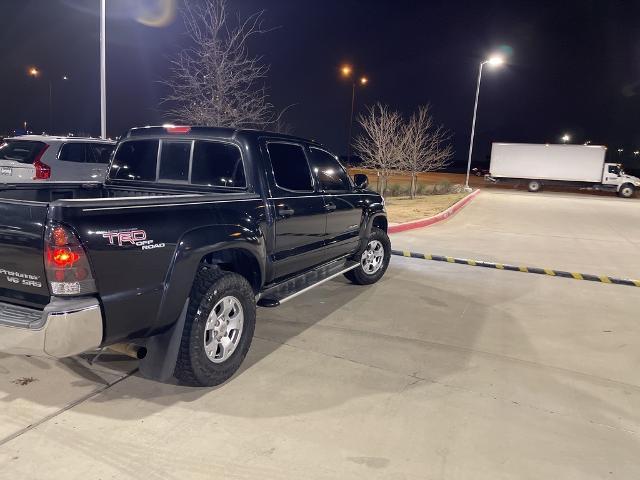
pixel 103 78
pixel 35 73
pixel 496 60
pixel 347 72
pixel 565 138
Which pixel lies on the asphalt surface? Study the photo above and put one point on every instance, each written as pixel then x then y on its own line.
pixel 438 371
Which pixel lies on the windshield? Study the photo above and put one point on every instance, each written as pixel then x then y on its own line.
pixel 21 151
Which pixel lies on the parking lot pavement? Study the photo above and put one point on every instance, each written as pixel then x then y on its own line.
pixel 438 371
pixel 35 388
pixel 565 231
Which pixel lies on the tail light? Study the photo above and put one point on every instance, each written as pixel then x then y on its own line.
pixel 43 171
pixel 66 262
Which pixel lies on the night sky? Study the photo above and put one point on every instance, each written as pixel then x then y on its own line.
pixel 574 66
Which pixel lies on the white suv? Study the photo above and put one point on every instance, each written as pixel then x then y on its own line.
pixel 33 158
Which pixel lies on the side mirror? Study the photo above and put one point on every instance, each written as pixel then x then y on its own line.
pixel 360 180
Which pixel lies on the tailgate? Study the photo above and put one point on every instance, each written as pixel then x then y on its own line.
pixel 22 275
pixel 11 171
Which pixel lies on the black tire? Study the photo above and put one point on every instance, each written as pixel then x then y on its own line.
pixel 535 186
pixel 193 366
pixel 626 191
pixel 358 275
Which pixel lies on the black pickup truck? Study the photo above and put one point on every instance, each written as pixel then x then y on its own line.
pixel 168 258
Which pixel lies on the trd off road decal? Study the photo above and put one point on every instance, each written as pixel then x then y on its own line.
pixel 135 237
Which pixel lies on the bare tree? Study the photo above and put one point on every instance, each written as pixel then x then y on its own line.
pixel 379 144
pixel 216 81
pixel 425 146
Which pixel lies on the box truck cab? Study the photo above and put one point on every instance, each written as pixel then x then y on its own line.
pixel 580 166
pixel 614 174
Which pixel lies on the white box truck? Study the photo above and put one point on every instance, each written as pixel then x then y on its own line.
pixel 581 166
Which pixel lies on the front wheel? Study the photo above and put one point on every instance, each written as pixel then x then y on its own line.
pixel 374 260
pixel 626 191
pixel 218 328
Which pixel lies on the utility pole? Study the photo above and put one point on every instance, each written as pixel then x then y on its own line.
pixel 103 78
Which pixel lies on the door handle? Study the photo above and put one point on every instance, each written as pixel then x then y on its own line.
pixel 330 207
pixel 285 211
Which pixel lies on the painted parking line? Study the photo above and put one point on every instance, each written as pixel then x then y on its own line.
pixel 515 268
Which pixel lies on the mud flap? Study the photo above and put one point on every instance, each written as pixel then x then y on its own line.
pixel 162 351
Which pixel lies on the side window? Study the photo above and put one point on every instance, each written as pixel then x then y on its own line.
pixel 614 169
pixel 290 166
pixel 135 160
pixel 72 152
pixel 174 161
pixel 330 173
pixel 99 152
pixel 217 164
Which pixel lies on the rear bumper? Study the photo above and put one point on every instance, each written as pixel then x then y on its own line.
pixel 64 328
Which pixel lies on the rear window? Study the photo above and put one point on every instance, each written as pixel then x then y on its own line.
pixel 217 164
pixel 21 151
pixel 174 161
pixel 135 160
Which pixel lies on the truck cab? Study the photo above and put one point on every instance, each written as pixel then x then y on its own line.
pixel 614 174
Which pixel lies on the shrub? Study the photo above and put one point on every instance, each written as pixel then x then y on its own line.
pixel 422 189
pixel 394 189
pixel 442 187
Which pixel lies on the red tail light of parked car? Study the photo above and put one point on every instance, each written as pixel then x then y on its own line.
pixel 43 171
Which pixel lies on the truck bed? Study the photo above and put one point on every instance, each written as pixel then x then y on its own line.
pixel 51 191
pixel 26 209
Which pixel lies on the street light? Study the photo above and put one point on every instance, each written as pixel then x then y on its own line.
pixel 347 72
pixel 35 73
pixel 566 137
pixel 495 61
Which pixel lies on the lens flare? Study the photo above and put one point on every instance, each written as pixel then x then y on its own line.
pixel 156 13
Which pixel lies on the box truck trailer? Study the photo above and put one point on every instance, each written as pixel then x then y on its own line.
pixel 582 166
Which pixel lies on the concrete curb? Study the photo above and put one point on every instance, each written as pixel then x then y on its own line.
pixel 425 222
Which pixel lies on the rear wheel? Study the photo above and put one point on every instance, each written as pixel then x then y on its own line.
pixel 535 186
pixel 626 191
pixel 374 260
pixel 218 329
